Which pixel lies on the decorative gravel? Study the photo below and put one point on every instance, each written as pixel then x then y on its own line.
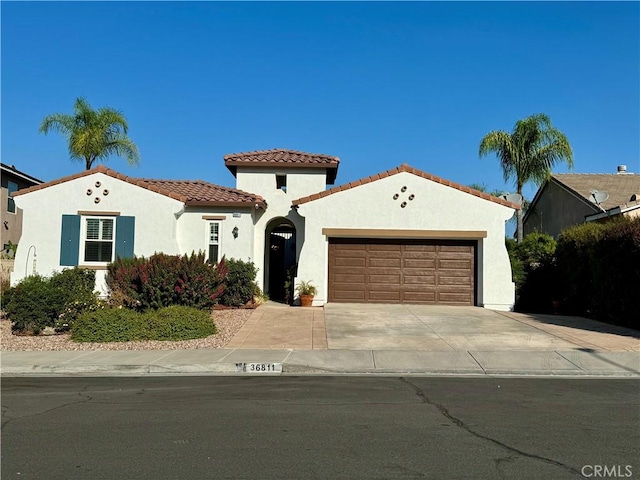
pixel 228 323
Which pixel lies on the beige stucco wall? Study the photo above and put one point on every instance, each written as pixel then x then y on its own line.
pixel 155 227
pixel 193 231
pixel 262 181
pixel 434 207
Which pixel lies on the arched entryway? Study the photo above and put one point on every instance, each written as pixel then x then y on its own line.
pixel 280 258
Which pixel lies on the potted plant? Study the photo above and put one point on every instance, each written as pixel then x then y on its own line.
pixel 306 292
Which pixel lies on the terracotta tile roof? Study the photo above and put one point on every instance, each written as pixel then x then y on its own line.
pixel 405 168
pixel 279 157
pixel 198 192
pixel 189 192
pixel 620 187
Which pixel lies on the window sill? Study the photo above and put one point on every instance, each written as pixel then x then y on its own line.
pixel 93 267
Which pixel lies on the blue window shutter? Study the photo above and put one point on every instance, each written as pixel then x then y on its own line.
pixel 125 234
pixel 70 240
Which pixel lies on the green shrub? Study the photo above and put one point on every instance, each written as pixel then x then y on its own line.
pixel 33 305
pixel 178 322
pixel 107 325
pixel 240 284
pixel 533 271
pixel 162 280
pixel 123 325
pixel 38 302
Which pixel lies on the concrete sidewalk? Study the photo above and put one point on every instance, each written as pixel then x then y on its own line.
pixel 335 362
pixel 374 339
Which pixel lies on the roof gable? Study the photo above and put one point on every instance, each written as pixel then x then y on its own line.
pixel 405 168
pixel 620 187
pixel 197 193
pixel 282 158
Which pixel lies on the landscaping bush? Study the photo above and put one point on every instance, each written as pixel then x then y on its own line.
pixel 38 302
pixel 32 306
pixel 123 325
pixel 240 284
pixel 576 256
pixel 178 322
pixel 600 269
pixel 107 325
pixel 533 271
pixel 162 280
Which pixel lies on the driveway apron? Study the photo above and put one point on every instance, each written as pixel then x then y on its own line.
pixel 447 328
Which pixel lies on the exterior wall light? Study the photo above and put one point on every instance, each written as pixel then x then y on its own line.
pixel 235 232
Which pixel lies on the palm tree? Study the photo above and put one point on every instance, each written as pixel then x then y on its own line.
pixel 528 153
pixel 93 134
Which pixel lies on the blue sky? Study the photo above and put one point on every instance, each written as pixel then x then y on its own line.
pixel 377 84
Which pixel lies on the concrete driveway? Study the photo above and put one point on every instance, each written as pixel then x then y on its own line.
pixel 446 328
pixel 341 326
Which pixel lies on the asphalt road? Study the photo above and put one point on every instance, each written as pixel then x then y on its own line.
pixel 319 428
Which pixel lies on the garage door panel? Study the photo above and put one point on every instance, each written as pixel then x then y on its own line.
pixel 457 264
pixel 451 280
pixel 384 296
pixel 413 249
pixel 349 296
pixel 419 279
pixel 420 263
pixel 452 298
pixel 349 278
pixel 379 247
pixel 386 262
pixel 384 279
pixel 351 262
pixel 446 248
pixel 402 271
pixel 428 297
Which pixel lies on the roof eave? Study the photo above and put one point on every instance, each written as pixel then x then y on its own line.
pixel 205 203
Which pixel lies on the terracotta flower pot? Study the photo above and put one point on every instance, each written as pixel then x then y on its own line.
pixel 306 300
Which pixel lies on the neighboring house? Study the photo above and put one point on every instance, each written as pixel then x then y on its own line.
pixel 401 236
pixel 11 216
pixel 571 199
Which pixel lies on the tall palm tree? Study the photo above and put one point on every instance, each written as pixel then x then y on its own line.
pixel 528 153
pixel 93 135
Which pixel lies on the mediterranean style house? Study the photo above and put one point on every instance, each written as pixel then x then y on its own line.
pixel 400 236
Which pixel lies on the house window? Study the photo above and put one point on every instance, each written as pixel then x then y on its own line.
pixel 214 241
pixel 99 236
pixel 11 204
pixel 96 239
pixel 281 182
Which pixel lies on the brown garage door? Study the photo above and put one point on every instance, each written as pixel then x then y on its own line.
pixel 402 271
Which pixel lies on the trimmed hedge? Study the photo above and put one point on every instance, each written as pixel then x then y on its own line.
pixel 162 280
pixel 599 264
pixel 38 302
pixel 240 283
pixel 175 322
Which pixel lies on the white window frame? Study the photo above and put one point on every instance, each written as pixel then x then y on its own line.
pixel 84 239
pixel 209 241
